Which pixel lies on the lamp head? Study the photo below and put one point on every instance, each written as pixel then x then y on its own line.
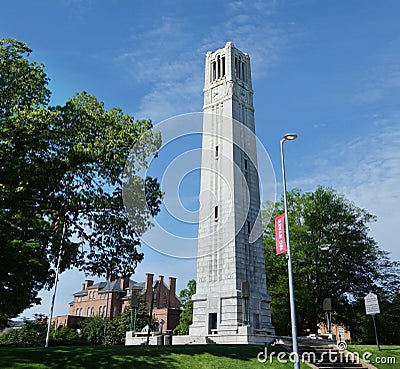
pixel 290 136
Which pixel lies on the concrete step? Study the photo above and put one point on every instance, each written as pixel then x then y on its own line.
pixel 328 357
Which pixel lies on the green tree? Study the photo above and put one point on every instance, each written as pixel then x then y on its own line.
pixel 67 163
pixel 117 327
pixel 32 333
pixel 64 336
pixel 186 316
pixel 333 256
pixel 92 329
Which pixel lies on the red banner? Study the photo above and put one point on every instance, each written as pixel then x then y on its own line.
pixel 280 234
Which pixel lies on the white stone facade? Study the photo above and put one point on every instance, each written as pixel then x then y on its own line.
pixel 231 304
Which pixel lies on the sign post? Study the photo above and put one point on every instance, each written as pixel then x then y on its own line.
pixel 341 334
pixel 281 247
pixel 327 307
pixel 134 306
pixel 372 308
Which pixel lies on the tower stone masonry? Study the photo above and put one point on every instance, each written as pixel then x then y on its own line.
pixel 231 304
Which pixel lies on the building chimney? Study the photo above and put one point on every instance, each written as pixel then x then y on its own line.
pixel 148 287
pixel 161 279
pixel 124 283
pixel 172 286
pixel 88 283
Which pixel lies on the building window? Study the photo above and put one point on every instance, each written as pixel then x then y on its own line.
pixel 104 311
pixel 216 152
pixel 77 312
pixel 101 311
pixel 248 227
pixel 92 311
pixel 80 312
pixel 212 322
pixel 218 67
pixel 214 71
pixel 90 295
pixel 88 312
pixel 246 165
pixel 94 295
pixel 236 67
pixel 223 66
pixel 216 213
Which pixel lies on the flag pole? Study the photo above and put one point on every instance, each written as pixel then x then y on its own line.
pixel 55 286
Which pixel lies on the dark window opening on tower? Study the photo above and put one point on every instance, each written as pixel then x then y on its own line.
pixel 218 67
pixel 236 67
pixel 216 152
pixel 246 165
pixel 216 213
pixel 243 70
pixel 212 322
pixel 223 66
pixel 214 71
pixel 248 227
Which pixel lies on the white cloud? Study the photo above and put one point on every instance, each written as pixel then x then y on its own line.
pixel 168 60
pixel 381 82
pixel 251 30
pixel 367 171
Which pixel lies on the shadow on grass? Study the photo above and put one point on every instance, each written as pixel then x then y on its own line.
pixel 112 357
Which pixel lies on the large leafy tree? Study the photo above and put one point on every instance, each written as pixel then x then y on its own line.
pixel 117 327
pixel 186 316
pixel 333 256
pixel 64 165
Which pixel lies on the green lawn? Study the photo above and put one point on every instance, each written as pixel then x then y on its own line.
pixel 159 357
pixel 387 358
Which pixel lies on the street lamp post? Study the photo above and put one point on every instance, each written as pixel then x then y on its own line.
pixel 290 137
pixel 55 284
pixel 151 311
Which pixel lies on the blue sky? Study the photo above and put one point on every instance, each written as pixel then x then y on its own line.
pixel 327 70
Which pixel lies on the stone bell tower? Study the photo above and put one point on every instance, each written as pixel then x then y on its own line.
pixel 231 304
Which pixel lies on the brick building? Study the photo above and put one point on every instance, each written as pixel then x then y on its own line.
pixel 109 298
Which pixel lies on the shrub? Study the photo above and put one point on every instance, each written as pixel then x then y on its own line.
pixel 92 329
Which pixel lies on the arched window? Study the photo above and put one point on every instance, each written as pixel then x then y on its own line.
pixel 92 311
pixel 80 312
pixel 214 71
pixel 94 295
pixel 101 311
pixel 90 295
pixel 236 67
pixel 104 310
pixel 77 312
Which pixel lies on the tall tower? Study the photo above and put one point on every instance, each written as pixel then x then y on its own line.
pixel 231 304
